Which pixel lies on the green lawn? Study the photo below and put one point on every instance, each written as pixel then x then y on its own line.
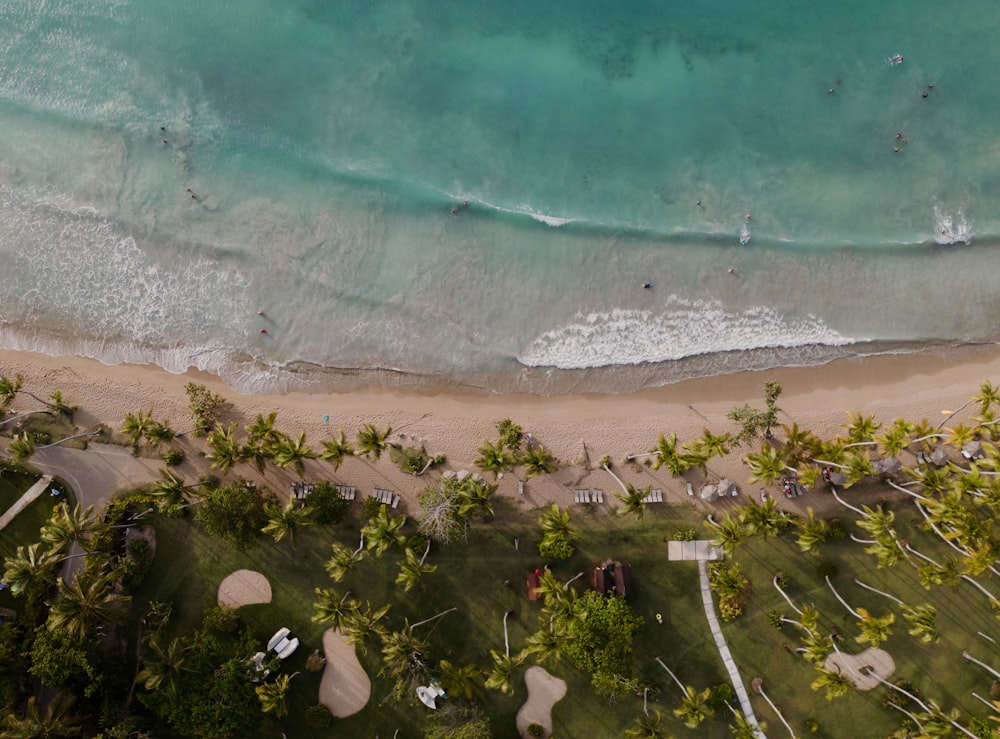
pixel 473 578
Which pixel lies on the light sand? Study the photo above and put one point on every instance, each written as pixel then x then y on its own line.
pixel 345 687
pixel 853 666
pixel 544 691
pixel 578 429
pixel 244 588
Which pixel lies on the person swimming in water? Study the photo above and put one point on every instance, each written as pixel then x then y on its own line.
pixel 648 285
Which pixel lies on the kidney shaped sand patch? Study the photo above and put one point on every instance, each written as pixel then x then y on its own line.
pixel 544 691
pixel 856 666
pixel 345 687
pixel 244 588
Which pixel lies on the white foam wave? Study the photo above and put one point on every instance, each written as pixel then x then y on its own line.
pixel 950 229
pixel 684 328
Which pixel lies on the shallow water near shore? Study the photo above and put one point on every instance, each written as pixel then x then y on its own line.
pixel 314 154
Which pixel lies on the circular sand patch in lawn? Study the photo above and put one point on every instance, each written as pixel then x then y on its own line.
pixel 345 687
pixel 544 691
pixel 244 588
pixel 856 666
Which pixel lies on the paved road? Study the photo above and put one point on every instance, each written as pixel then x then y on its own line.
pixel 97 473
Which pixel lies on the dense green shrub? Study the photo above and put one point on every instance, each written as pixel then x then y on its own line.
pixel 556 548
pixel 318 716
pixel 327 504
pixel 173 457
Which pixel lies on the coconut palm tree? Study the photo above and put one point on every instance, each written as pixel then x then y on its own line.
pixel 163 665
pixel 262 432
pixel 412 571
pixel 461 682
pixel 68 525
pixel 538 459
pixel 475 496
pixel 832 681
pixel 812 532
pixel 633 501
pixel 758 685
pixel 382 531
pixel 922 623
pixel 647 726
pixel 814 649
pixel 501 675
pixel 364 623
pixel 895 439
pixel 495 458
pixel 21 447
pixel 56 720
pixel 403 653
pixel 715 445
pixel 372 442
pixel 170 489
pixel 766 466
pixel 225 451
pixel 333 610
pixel 31 568
pixel 988 396
pixel 695 707
pixel 343 561
pixel 555 523
pixel 861 429
pixel 159 433
pixel 763 518
pixel 10 388
pixel 729 532
pixel 336 449
pixel 874 630
pixel 858 467
pixel 545 645
pixel 288 453
pixel 273 696
pixel 284 521
pixel 136 426
pixel 82 605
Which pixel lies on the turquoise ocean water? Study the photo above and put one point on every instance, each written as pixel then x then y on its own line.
pixel 315 150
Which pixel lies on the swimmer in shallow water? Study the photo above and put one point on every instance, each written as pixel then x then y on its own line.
pixel 648 285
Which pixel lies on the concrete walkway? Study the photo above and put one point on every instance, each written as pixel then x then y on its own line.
pixel 25 500
pixel 720 642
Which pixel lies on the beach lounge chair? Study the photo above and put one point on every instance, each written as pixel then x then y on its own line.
pixel 597 495
pixel 395 500
pixel 690 488
pixel 286 649
pixel 520 487
pixel 579 496
pixel 657 496
pixel 279 636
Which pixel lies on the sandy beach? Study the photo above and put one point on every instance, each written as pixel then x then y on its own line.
pixel 578 429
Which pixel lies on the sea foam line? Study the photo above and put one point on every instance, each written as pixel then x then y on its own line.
pixel 683 328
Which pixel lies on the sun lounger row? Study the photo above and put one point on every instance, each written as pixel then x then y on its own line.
pixel 655 496
pixel 386 497
pixel 588 496
pixel 347 492
pixel 301 489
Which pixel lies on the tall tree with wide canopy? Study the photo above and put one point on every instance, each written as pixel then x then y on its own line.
pixel 85 604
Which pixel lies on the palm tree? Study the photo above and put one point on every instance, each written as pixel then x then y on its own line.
pixel 555 523
pixel 289 453
pixel 164 667
pixel 135 426
pixel 545 645
pixel 861 429
pixel 55 721
pixel 632 501
pixel 495 458
pixel 284 521
pixel 832 681
pixel 412 571
pixel 647 726
pixel 743 728
pixel 730 532
pixel 460 681
pixel 758 685
pixel 21 447
pixel 331 609
pixel 715 446
pixel 159 433
pixel 501 674
pixel 766 466
pixel 171 489
pixel 812 532
pixel 695 707
pixel 31 568
pixel 538 459
pixel 343 561
pixel 225 452
pixel 403 654
pixel 258 454
pixel 988 396
pixel 922 623
pixel 382 531
pixel 874 630
pixel 10 388
pixel 895 439
pixel 81 606
pixel 262 432
pixel 475 496
pixel 70 525
pixel 763 518
pixel 363 623
pixel 336 449
pixel 273 696
pixel 372 442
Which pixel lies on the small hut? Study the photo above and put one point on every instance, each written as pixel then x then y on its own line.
pixel 727 487
pixel 888 466
pixel 973 450
pixel 938 457
pixel 709 492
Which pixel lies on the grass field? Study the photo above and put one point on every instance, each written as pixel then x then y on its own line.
pixel 474 577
